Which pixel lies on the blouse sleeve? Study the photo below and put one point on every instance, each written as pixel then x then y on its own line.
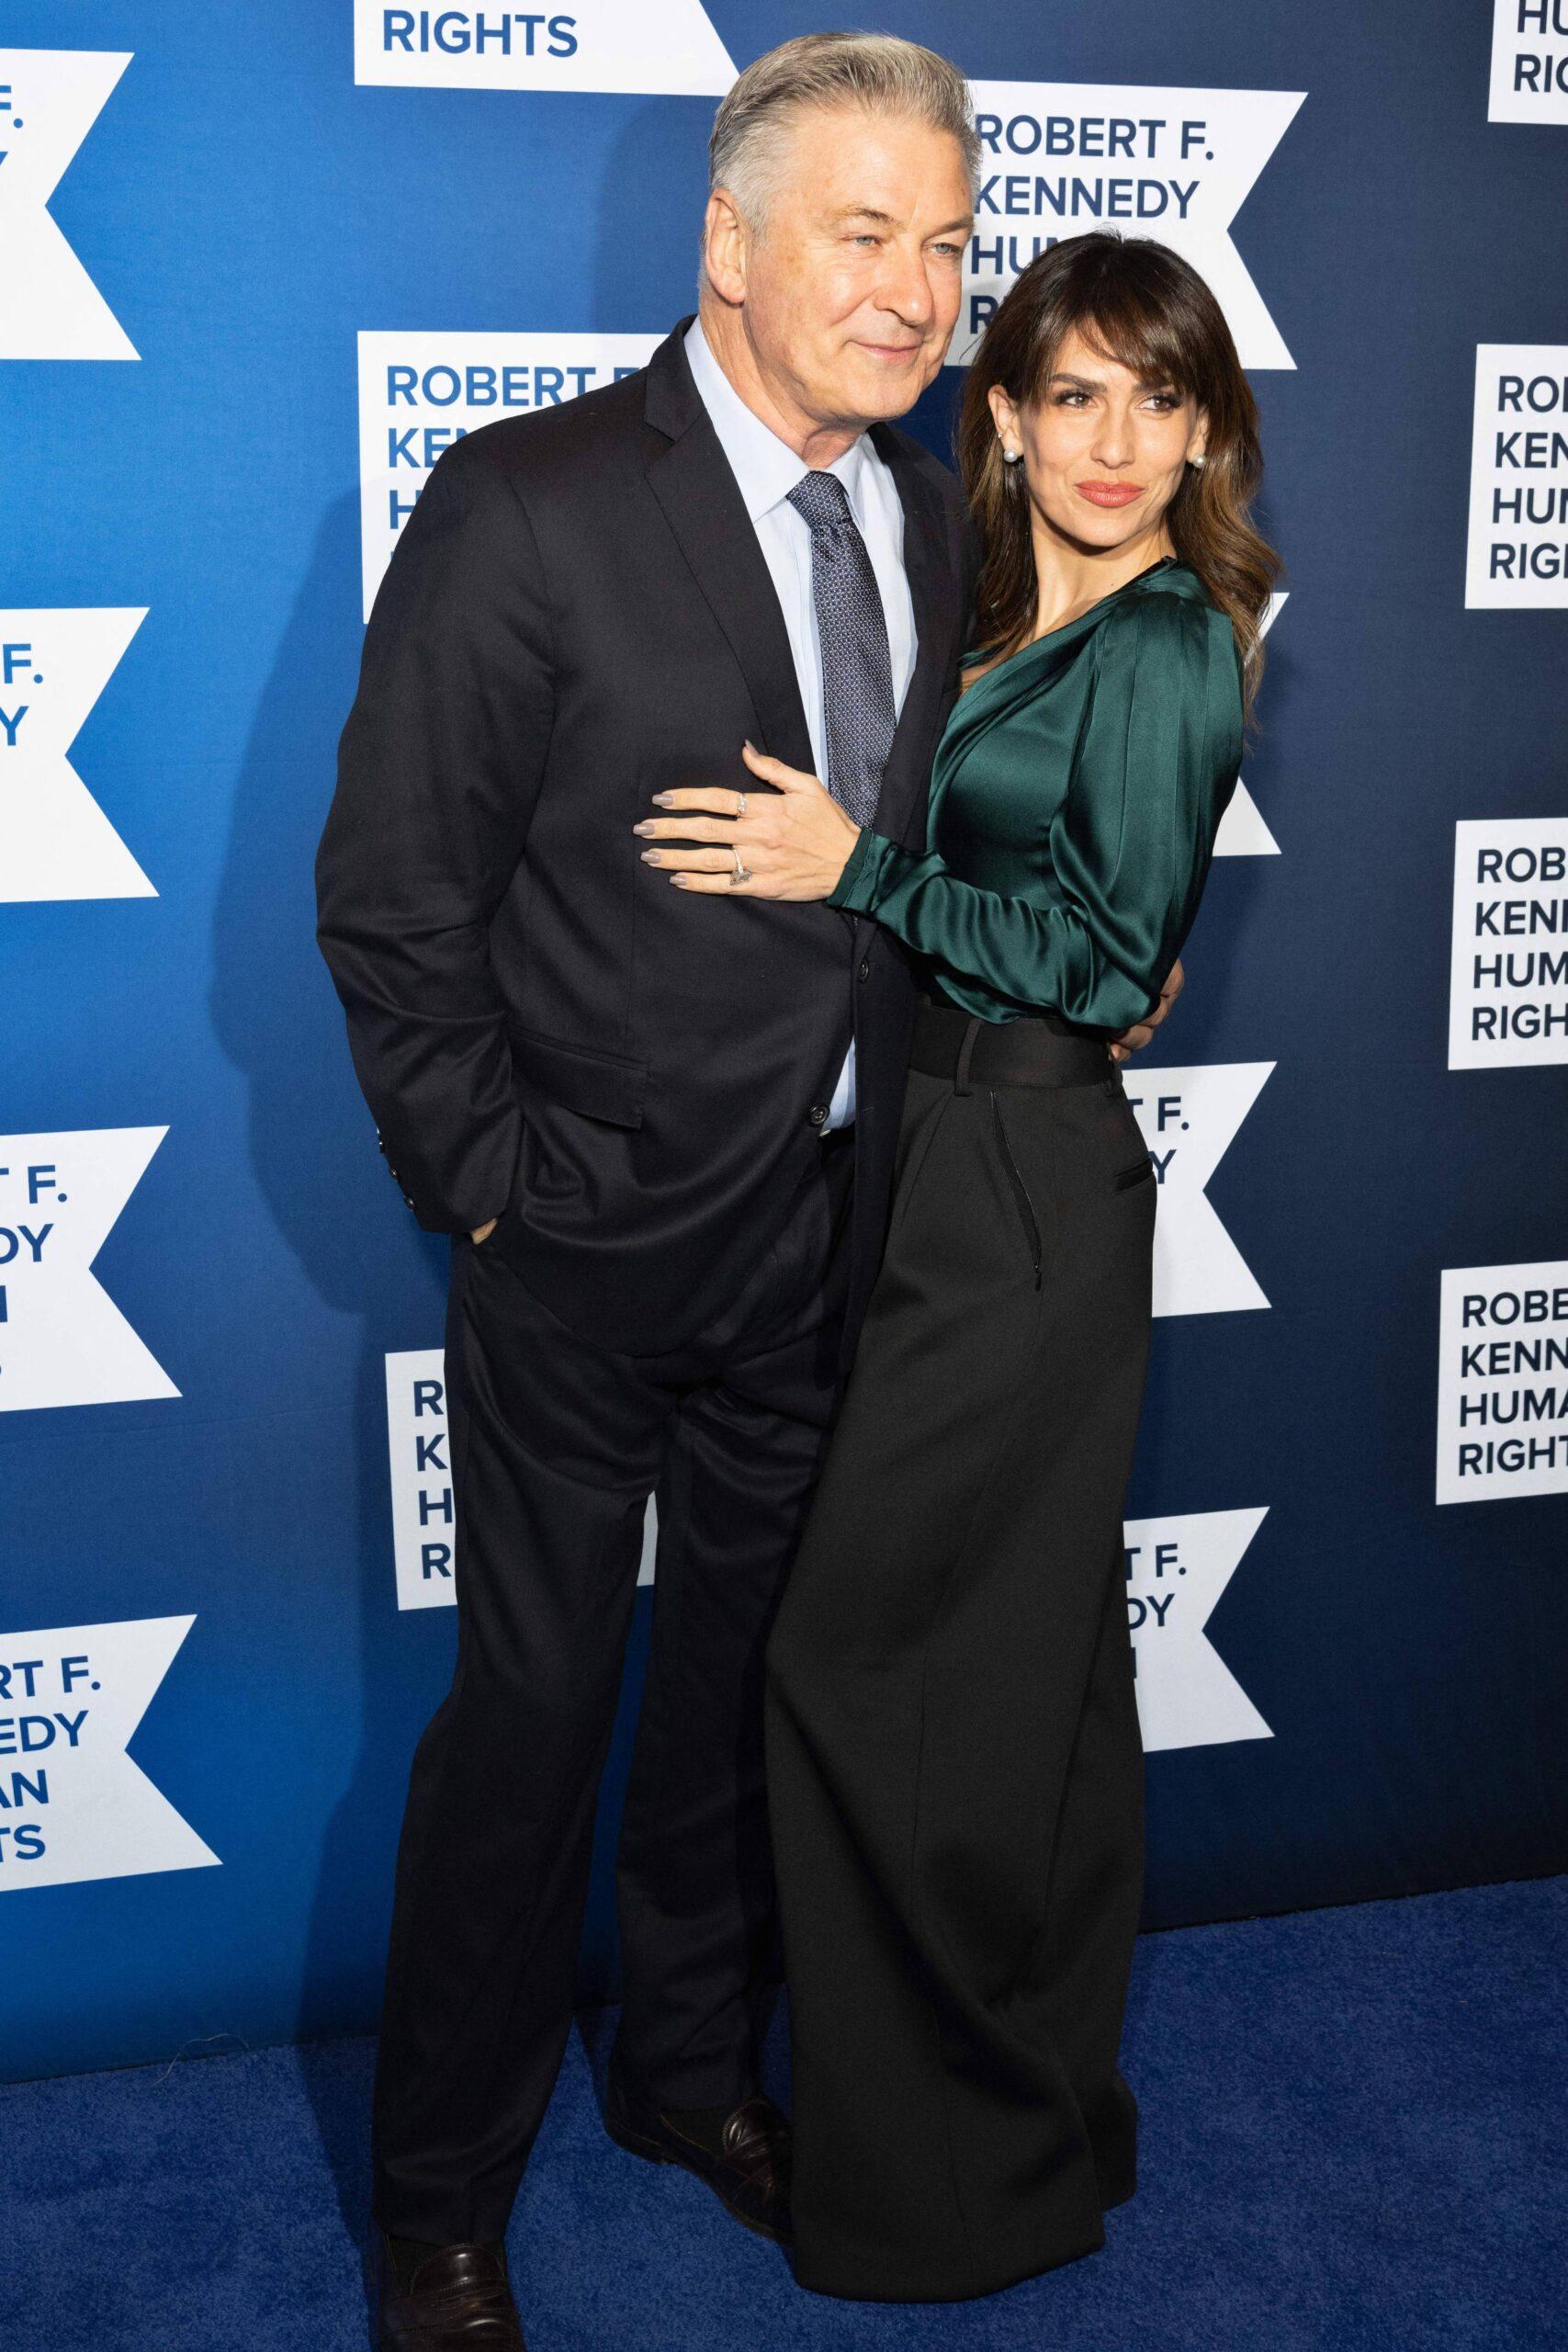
pixel 1152 773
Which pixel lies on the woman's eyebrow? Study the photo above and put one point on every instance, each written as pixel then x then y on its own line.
pixel 1097 383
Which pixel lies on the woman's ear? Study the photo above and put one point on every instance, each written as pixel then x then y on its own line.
pixel 1004 416
pixel 1198 446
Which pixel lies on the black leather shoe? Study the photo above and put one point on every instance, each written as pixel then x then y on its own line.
pixel 748 2169
pixel 457 2300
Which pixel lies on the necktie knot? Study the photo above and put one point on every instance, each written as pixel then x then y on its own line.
pixel 819 499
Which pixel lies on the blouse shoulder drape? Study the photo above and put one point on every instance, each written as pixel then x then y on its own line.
pixel 1087 778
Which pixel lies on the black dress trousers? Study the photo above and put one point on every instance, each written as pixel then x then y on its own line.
pixel 955 1773
pixel 556 1446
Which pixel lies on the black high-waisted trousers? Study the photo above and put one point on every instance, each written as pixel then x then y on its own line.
pixel 955 1777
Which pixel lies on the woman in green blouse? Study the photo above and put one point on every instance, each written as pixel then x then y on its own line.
pixel 955 1766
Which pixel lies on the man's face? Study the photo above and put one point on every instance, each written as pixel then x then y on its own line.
pixel 853 280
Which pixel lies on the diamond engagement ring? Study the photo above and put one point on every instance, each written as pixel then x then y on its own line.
pixel 742 873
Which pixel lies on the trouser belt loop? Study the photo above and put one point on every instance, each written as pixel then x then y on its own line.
pixel 965 1055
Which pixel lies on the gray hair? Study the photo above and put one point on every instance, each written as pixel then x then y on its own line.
pixel 876 72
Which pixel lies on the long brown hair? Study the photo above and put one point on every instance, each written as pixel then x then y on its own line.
pixel 1135 302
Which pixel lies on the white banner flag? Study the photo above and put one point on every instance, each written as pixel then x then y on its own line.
pixel 72 1804
pixel 1060 158
pixel 1529 62
pixel 1503 1382
pixel 1189 1118
pixel 1176 1569
pixel 1509 960
pixel 1517 551
pixel 420 391
pixel 665 48
pixel 55 842
pixel 424 1535
pixel 50 308
pixel 63 1338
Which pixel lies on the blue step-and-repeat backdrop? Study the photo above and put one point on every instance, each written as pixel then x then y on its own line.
pixel 259 264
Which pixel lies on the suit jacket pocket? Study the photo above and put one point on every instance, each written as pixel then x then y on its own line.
pixel 600 1086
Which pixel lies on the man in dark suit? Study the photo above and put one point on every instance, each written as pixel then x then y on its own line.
pixel 658 1126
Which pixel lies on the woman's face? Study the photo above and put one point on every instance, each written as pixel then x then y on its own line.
pixel 1103 453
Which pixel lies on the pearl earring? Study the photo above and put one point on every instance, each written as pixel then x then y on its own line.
pixel 1195 461
pixel 1010 457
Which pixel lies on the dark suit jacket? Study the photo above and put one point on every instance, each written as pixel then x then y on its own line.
pixel 578 615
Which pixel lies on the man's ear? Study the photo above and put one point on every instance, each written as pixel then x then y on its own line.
pixel 723 248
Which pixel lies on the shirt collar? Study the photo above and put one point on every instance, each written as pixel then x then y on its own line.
pixel 765 467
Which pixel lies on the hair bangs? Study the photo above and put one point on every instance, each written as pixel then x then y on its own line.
pixel 1143 340
pixel 1120 320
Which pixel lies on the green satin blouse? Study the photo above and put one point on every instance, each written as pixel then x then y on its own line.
pixel 1075 799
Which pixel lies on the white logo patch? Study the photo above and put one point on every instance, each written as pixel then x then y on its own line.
pixel 1518 551
pixel 72 1805
pixel 1508 967
pixel 1529 62
pixel 663 47
pixel 420 392
pixel 1176 1569
pixel 421 1477
pixel 1188 1118
pixel 55 842
pixel 1063 157
pixel 50 308
pixel 423 1535
pixel 63 1338
pixel 1503 1382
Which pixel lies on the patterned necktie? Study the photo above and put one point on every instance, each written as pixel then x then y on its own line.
pixel 858 712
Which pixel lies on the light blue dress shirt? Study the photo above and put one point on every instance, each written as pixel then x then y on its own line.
pixel 766 469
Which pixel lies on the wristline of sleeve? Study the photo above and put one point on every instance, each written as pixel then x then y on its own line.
pixel 874 865
pixel 880 871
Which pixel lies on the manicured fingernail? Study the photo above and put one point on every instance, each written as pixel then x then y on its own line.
pixel 749 745
pixel 679 880
pixel 661 800
pixel 646 827
pixel 651 857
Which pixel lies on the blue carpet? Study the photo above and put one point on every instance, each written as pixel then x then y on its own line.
pixel 1353 2138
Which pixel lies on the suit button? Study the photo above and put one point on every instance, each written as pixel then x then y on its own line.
pixel 817 1115
pixel 865 967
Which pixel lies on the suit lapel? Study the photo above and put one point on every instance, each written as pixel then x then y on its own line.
pixel 689 475
pixel 934 594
